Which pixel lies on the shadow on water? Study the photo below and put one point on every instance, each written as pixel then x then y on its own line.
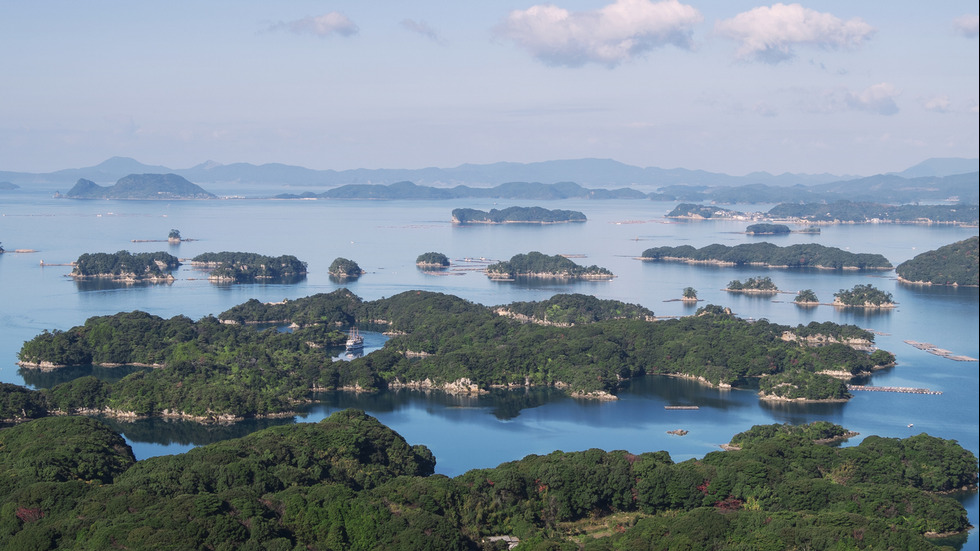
pixel 47 379
pixel 98 284
pixel 176 431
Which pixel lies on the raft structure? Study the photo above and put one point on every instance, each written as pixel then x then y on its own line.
pixel 902 389
pixel 941 352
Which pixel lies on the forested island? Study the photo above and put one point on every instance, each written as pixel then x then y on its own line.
pixel 753 285
pixel 863 296
pixel 807 255
pixel 344 268
pixel 432 260
pixel 954 264
pixel 767 229
pixel 536 264
pixel 125 266
pixel 141 186
pixel 702 212
pixel 349 482
pixel 517 215
pixel 228 368
pixel 806 297
pixel 241 267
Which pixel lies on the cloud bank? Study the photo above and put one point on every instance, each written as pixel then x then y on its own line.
pixel 609 36
pixel 967 25
pixel 321 25
pixel 879 98
pixel 771 34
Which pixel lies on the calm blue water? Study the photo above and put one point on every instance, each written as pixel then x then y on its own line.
pixel 464 433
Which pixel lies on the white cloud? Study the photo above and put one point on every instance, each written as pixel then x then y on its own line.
pixel 770 34
pixel 968 25
pixel 321 25
pixel 938 103
pixel 879 98
pixel 615 33
pixel 422 28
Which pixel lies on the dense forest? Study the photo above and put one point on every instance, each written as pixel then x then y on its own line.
pixel 761 284
pixel 209 370
pixel 535 264
pixel 767 229
pixel 807 255
pixel 239 267
pixel 864 296
pixel 432 259
pixel 954 264
pixel 124 265
pixel 510 215
pixel 349 482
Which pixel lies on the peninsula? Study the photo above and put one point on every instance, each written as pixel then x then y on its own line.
pixel 517 215
pixel 954 264
pixel 141 186
pixel 538 265
pixel 808 255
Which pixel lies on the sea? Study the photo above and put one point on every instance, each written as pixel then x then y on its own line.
pixel 386 237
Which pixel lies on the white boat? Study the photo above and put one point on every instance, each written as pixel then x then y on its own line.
pixel 355 342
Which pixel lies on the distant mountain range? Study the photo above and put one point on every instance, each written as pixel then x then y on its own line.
pixel 937 179
pixel 594 173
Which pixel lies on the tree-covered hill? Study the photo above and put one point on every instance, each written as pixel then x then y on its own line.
pixel 241 267
pixel 349 482
pixel 208 370
pixel 954 264
pixel 141 186
pixel 124 265
pixel 806 255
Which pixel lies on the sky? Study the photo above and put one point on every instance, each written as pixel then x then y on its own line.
pixel 841 87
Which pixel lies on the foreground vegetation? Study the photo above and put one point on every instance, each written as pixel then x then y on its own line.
pixel 809 255
pixel 954 264
pixel 209 370
pixel 349 482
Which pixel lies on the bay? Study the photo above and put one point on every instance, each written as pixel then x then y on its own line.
pixel 385 237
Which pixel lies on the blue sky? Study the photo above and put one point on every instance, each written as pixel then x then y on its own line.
pixel 727 86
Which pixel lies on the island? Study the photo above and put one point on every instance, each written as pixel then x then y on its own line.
pixel 517 215
pixel 509 190
pixel 753 285
pixel 141 186
pixel 174 237
pixel 538 265
pixel 239 369
pixel 242 267
pixel 343 268
pixel 8 186
pixel 350 482
pixel 127 267
pixel 432 260
pixel 767 229
pixel 806 298
pixel 691 211
pixel 863 296
pixel 808 255
pixel 690 294
pixel 954 264
pixel 868 212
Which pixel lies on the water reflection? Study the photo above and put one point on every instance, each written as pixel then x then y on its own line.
pixel 39 379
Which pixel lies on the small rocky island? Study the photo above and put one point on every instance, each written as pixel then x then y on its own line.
pixel 432 260
pixel 806 298
pixel 863 296
pixel 517 215
pixel 126 267
pixel 343 268
pixel 767 229
pixel 753 285
pixel 140 186
pixel 538 265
